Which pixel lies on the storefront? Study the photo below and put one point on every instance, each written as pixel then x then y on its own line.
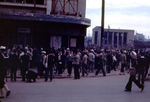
pixel 42 30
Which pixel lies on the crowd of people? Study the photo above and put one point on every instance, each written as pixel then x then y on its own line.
pixel 84 62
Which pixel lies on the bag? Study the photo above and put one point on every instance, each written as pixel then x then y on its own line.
pixel 132 71
pixel 46 63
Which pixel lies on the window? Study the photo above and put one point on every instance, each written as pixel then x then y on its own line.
pixel 9 0
pixel 105 37
pixel 110 38
pixel 120 38
pixel 20 1
pixel 41 2
pixel 125 39
pixel 115 39
pixel 96 35
pixel 30 1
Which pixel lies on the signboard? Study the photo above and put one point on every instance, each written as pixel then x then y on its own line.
pixel 24 30
pixel 55 42
pixel 72 42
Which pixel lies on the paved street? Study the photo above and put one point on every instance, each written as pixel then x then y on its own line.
pixel 86 89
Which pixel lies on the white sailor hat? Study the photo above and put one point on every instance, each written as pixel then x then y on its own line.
pixel 44 52
pixel 2 47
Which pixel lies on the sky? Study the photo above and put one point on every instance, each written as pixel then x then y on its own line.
pixel 120 14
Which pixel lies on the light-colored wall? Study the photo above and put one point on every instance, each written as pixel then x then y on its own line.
pixel 99 35
pixel 44 9
pixel 130 35
pixel 49 6
pixel 82 7
pixel 19 7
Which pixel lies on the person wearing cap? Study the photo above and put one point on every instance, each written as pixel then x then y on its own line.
pixel 91 60
pixel 84 63
pixel 69 63
pixel 60 62
pixel 114 62
pixel 3 70
pixel 25 64
pixel 133 70
pixel 50 63
pixel 43 62
pixel 76 62
pixel 100 63
pixel 123 59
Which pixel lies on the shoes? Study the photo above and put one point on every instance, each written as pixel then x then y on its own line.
pixel 69 75
pixel 23 80
pixel 104 75
pixel 142 88
pixel 8 93
pixel 127 90
pixel 1 97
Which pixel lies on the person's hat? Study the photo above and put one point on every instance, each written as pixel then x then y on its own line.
pixel 133 54
pixel 2 47
pixel 26 48
pixel 101 54
pixel 92 50
pixel 67 48
pixel 44 52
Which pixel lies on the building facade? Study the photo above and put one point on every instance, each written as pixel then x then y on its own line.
pixel 87 41
pixel 139 37
pixel 46 23
pixel 113 38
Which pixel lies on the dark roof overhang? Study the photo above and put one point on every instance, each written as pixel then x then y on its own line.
pixel 46 18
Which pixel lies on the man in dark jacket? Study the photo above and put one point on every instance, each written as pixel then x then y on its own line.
pixel 147 56
pixel 3 69
pixel 50 61
pixel 60 62
pixel 39 63
pixel 109 61
pixel 132 78
pixel 14 62
pixel 100 64
pixel 24 64
pixel 141 67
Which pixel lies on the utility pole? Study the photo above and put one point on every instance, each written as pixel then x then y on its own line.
pixel 34 6
pixel 102 24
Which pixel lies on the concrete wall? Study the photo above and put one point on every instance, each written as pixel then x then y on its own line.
pixel 130 36
pixel 49 6
pixel 46 8
pixel 82 7
pixel 19 7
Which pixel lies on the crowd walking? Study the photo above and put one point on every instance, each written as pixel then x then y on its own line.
pixel 50 61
